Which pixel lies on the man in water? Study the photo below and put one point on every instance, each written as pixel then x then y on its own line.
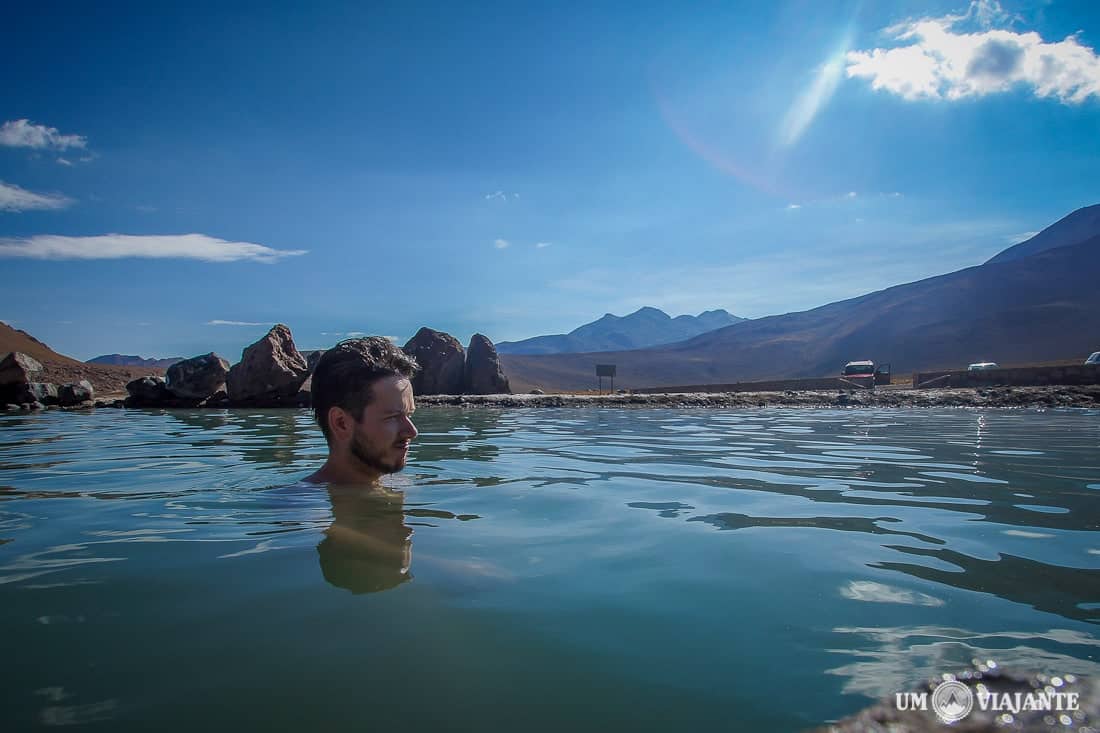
pixel 363 402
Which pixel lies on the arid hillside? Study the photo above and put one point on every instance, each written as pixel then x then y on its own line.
pixel 59 368
pixel 1040 307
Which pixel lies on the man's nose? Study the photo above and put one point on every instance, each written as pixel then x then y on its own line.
pixel 408 430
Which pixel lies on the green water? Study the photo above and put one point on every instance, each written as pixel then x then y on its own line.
pixel 537 569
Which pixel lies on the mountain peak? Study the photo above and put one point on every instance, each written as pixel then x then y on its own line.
pixel 1074 228
pixel 645 327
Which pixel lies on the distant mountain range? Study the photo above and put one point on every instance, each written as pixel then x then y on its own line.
pixel 1036 301
pixel 124 360
pixel 643 328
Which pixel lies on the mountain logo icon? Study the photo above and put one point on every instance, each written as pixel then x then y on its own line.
pixel 952 701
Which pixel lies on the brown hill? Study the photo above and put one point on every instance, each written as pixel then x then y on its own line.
pixel 1038 308
pixel 13 339
pixel 60 369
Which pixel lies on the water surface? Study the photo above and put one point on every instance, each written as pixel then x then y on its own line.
pixel 595 569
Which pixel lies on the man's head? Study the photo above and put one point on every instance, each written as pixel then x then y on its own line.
pixel 363 402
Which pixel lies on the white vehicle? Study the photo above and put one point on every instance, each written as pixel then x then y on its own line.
pixel 981 366
pixel 1094 358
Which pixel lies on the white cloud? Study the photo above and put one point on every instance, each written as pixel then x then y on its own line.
pixel 872 592
pixel 64 162
pixel 501 244
pixel 14 198
pixel 940 61
pixel 26 134
pixel 116 246
pixel 851 195
pixel 792 207
pixel 355 334
pixel 219 322
pixel 1021 237
pixel 500 196
pixel 542 245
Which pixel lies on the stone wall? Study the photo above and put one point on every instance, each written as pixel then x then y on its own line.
pixel 779 385
pixel 1018 377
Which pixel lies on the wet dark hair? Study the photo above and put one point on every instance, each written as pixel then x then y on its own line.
pixel 345 373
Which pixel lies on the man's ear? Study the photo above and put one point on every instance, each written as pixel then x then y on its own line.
pixel 340 423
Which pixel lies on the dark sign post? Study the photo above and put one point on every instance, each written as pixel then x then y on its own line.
pixel 605 370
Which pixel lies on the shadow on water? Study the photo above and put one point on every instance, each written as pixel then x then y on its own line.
pixel 368 547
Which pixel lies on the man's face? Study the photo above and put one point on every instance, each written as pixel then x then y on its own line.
pixel 381 438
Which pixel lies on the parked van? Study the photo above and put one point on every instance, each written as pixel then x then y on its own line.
pixel 859 373
pixel 865 374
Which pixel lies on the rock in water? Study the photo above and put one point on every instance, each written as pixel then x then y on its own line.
pixel 442 362
pixel 271 370
pixel 483 374
pixel 18 368
pixel 75 393
pixel 33 392
pixel 197 378
pixel 147 392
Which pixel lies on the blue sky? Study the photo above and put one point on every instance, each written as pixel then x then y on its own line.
pixel 176 180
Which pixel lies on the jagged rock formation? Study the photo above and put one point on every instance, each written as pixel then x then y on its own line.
pixel 483 374
pixel 271 371
pixel 442 362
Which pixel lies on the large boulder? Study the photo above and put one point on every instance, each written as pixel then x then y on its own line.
pixel 147 392
pixel 483 374
pixel 75 392
pixel 441 359
pixel 312 357
pixel 270 371
pixel 32 392
pixel 18 368
pixel 198 377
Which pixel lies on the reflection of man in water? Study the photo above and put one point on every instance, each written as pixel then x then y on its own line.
pixel 363 401
pixel 368 547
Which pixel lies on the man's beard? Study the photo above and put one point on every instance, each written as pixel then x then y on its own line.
pixel 373 459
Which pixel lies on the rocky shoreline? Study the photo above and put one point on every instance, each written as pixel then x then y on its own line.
pixel 997 397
